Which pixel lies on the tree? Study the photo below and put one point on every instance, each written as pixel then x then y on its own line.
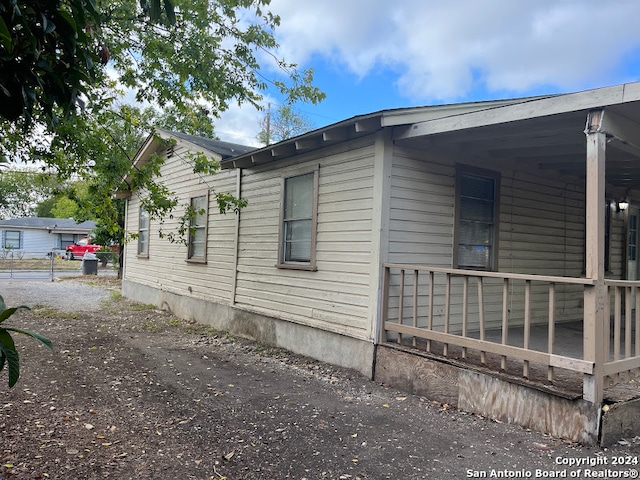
pixel 22 190
pixel 284 123
pixel 190 57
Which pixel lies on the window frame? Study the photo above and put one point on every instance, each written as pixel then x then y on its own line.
pixel 191 258
pixel 282 261
pixel 4 240
pixel 462 170
pixel 143 253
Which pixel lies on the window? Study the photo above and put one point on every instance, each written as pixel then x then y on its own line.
pixel 477 219
pixel 298 225
pixel 12 239
pixel 198 229
pixel 143 233
pixel 66 239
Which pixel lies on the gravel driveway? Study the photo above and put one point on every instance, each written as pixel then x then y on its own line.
pixel 66 295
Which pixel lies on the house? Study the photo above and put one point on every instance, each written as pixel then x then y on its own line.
pixel 480 254
pixel 39 236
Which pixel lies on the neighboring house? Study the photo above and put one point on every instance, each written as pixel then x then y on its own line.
pixel 457 251
pixel 37 237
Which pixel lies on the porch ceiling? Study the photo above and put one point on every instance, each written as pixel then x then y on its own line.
pixel 554 143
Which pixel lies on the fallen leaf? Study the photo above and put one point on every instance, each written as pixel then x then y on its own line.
pixel 230 455
pixel 401 399
pixel 541 446
pixel 355 435
pixel 386 405
pixel 197 462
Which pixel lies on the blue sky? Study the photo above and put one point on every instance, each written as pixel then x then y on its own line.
pixel 371 55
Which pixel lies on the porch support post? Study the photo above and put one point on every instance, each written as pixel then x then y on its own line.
pixel 595 295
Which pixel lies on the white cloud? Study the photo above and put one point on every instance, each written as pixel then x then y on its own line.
pixel 239 125
pixel 443 49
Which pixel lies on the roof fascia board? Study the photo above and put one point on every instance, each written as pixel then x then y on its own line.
pixel 362 124
pixel 528 109
pixel 393 118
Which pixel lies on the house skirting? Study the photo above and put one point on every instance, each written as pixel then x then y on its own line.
pixel 488 395
pixel 312 342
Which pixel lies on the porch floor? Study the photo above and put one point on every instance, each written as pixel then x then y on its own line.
pixel 568 343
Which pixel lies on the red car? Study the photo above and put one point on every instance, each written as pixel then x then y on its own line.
pixel 82 246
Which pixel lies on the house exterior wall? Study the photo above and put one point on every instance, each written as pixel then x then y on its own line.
pixel 336 296
pixel 33 242
pixel 541 231
pixel 166 267
pixel 327 314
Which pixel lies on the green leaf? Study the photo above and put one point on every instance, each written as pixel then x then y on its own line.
pixel 171 14
pixel 156 11
pixel 47 25
pixel 69 19
pixel 6 339
pixel 5 36
pixel 6 313
pixel 40 338
pixel 13 360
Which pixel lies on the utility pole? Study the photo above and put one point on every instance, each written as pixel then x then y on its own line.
pixel 268 123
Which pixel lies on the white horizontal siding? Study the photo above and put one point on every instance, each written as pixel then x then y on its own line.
pixel 336 296
pixel 541 231
pixel 167 267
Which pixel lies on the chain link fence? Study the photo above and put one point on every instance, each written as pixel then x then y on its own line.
pixel 21 265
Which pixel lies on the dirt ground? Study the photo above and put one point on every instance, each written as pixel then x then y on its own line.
pixel 131 392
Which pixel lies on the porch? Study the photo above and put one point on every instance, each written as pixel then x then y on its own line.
pixel 527 330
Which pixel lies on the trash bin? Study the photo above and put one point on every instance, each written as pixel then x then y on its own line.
pixel 89 264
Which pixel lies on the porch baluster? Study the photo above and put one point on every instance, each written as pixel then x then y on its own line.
pixel 447 311
pixel 483 354
pixel 401 304
pixel 527 324
pixel 627 327
pixel 415 304
pixel 552 326
pixel 505 320
pixel 430 316
pixel 616 329
pixel 465 310
pixel 637 321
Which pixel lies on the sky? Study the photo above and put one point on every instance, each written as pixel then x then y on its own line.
pixel 372 55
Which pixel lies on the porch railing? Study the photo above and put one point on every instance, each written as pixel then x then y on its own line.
pixel 622 351
pixel 474 313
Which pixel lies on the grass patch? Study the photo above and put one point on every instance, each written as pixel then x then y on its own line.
pixel 37 264
pixel 152 326
pixel 45 311
pixel 199 329
pixel 138 307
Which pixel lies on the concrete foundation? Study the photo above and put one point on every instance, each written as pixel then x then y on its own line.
pixel 620 421
pixel 488 395
pixel 318 344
